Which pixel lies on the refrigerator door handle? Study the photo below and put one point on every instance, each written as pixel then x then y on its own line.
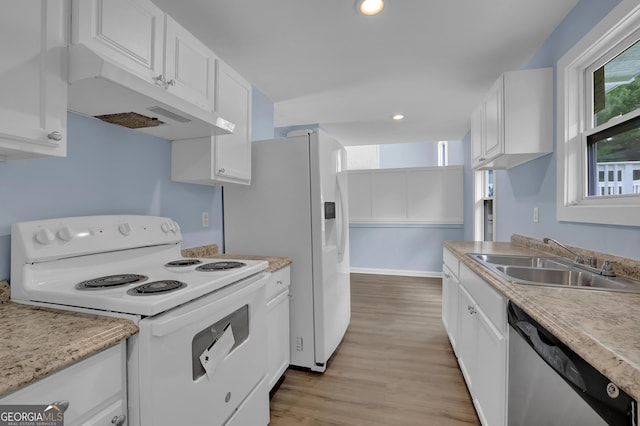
pixel 343 220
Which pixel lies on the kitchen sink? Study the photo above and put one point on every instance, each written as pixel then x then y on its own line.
pixel 516 260
pixel 552 271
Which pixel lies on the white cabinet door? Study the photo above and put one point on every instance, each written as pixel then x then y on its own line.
pixel 189 66
pixel 490 391
pixel 278 347
pixel 467 337
pixel 94 388
pixel 482 346
pixel 129 32
pixel 513 123
pixel 450 285
pixel 225 158
pixel 233 102
pixel 477 135
pixel 494 122
pixel 33 105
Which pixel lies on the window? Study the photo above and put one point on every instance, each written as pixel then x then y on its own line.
pixel 443 153
pixel 598 146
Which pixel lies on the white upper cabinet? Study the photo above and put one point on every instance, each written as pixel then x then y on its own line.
pixel 129 32
pixel 129 56
pixel 189 68
pixel 224 158
pixel 513 123
pixel 33 105
pixel 233 100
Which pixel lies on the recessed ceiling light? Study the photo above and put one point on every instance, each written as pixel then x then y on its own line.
pixel 398 117
pixel 370 7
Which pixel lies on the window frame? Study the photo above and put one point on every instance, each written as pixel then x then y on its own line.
pixel 575 122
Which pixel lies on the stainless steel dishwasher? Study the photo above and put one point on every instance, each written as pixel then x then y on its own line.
pixel 550 385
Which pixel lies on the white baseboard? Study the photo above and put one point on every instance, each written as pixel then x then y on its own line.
pixel 400 272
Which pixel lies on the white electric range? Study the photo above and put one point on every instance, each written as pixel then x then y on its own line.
pixel 199 355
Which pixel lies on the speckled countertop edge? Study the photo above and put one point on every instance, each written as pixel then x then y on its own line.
pixel 602 327
pixel 211 251
pixel 35 342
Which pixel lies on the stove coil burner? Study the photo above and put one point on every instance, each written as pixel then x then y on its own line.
pixel 220 266
pixel 182 262
pixel 156 287
pixel 111 281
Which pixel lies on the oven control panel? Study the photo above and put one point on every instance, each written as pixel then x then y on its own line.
pixel 76 236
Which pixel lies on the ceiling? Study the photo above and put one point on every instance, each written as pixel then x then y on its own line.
pixel 321 62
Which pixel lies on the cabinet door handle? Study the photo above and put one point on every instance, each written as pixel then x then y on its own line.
pixel 55 136
pixel 471 310
pixel 222 170
pixel 481 159
pixel 119 420
pixel 447 275
pixel 171 82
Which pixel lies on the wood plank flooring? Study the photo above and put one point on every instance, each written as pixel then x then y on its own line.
pixel 395 366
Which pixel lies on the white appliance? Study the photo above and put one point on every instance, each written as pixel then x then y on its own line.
pixel 296 206
pixel 199 356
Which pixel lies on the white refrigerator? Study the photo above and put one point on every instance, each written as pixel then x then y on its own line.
pixel 296 206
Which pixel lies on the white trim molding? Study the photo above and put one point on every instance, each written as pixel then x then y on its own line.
pixel 399 272
pixel 572 204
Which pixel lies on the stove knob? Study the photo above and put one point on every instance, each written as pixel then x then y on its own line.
pixel 125 228
pixel 165 227
pixel 66 234
pixel 175 227
pixel 45 236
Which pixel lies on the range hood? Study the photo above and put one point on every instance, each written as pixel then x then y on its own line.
pixel 99 87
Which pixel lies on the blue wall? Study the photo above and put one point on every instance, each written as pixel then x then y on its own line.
pixel 533 184
pixel 112 170
pixel 403 249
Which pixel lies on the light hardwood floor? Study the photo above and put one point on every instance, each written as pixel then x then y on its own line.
pixel 395 366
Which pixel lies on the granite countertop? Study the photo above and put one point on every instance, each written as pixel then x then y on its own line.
pixel 603 327
pixel 35 342
pixel 211 250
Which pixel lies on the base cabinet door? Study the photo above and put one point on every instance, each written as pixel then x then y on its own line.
pixel 483 346
pixel 90 392
pixel 278 347
pixel 450 291
pixel 490 391
pixel 467 337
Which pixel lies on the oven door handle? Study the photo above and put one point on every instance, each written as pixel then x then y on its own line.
pixel 178 320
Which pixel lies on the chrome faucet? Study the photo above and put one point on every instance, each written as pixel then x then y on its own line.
pixel 579 258
pixel 591 263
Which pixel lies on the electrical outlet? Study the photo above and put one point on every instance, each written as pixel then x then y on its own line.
pixel 535 215
pixel 205 219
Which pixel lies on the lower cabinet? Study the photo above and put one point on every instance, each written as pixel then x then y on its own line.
pixel 93 390
pixel 278 325
pixel 482 346
pixel 450 290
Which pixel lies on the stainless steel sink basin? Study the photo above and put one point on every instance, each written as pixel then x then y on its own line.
pixel 552 271
pixel 516 260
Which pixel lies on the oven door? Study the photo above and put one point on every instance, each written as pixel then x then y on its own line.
pixel 227 328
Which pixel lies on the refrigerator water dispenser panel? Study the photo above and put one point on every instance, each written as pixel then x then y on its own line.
pixel 329 210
